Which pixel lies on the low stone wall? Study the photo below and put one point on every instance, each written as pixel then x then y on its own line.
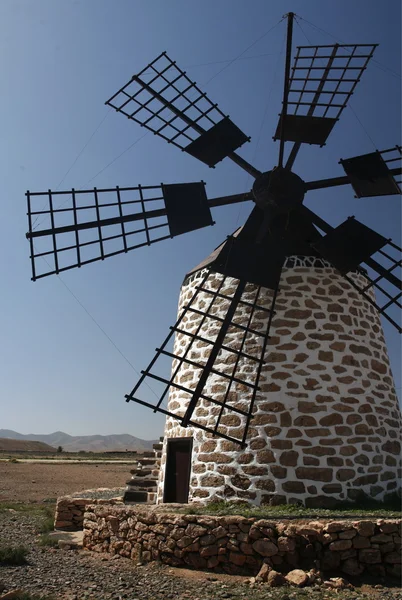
pixel 240 545
pixel 69 515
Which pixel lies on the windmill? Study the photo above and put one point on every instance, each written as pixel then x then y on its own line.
pixel 245 313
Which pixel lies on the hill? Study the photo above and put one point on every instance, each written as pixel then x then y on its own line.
pixel 9 445
pixel 89 443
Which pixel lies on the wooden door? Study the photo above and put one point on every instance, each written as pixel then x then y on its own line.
pixel 178 467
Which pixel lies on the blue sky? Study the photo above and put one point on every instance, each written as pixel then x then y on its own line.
pixel 59 61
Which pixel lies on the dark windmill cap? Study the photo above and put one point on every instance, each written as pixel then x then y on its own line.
pixel 239 256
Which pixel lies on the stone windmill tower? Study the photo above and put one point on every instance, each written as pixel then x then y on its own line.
pixel 278 386
pixel 326 423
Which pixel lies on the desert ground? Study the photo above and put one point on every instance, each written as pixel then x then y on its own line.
pixel 52 573
pixel 35 482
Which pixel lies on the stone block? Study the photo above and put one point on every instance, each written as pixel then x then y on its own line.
pixel 212 562
pixel 209 551
pixel 237 559
pixel 310 407
pixel 370 556
pixel 330 560
pixel 393 558
pixel 275 579
pixel 296 487
pixel 387 527
pixel 345 474
pixel 289 459
pixel 352 567
pixel 265 547
pixel 337 526
pixel 286 544
pixel 348 534
pixel 297 577
pixel 381 538
pixel 265 456
pixel 361 542
pixel 339 545
pixel 314 473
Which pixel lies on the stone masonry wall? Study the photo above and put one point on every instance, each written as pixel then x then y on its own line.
pixel 326 421
pixel 70 510
pixel 240 545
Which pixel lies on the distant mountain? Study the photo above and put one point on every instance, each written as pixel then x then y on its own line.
pixel 89 443
pixel 12 445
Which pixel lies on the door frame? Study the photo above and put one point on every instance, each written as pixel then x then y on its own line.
pixel 169 443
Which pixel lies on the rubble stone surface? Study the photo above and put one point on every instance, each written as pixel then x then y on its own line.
pixel 240 545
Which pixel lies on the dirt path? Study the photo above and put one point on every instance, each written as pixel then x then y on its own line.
pixel 35 482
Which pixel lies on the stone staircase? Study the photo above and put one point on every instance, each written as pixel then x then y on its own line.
pixel 142 487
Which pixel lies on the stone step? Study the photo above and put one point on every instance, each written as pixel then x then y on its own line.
pixel 142 487
pixel 141 472
pixel 135 497
pixel 147 462
pixel 147 483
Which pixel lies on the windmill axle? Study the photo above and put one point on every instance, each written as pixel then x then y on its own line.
pixel 280 189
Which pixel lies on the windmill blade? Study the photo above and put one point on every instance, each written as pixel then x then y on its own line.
pixel 370 174
pixel 164 100
pixel 321 82
pixel 345 180
pixel 214 377
pixel 349 244
pixel 286 89
pixel 353 246
pixel 91 225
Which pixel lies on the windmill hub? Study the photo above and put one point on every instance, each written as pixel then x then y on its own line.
pixel 279 188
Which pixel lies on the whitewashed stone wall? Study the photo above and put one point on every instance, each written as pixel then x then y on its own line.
pixel 327 421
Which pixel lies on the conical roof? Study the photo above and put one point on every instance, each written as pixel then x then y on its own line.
pixel 294 237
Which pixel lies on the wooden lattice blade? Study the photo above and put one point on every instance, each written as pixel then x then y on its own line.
pixel 164 100
pixel 69 229
pixel 322 80
pixel 349 244
pixel 216 349
pixel 373 174
pixel 354 247
pixel 321 184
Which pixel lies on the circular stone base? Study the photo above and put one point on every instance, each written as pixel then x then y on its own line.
pixel 326 424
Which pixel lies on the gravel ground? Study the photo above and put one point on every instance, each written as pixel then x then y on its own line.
pixel 80 575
